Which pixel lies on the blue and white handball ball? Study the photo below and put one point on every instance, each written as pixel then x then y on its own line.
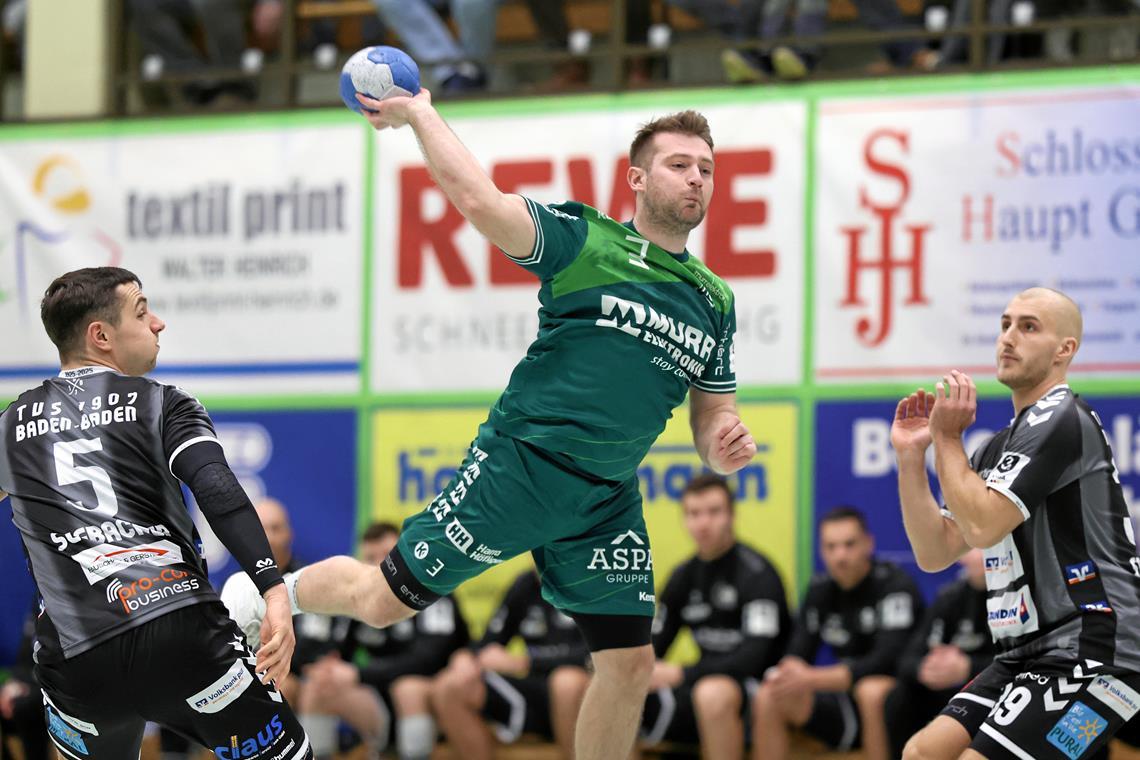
pixel 379 72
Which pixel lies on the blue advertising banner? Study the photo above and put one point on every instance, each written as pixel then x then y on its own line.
pixel 305 460
pixel 855 465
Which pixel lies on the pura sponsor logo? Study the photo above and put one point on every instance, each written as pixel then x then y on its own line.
pixel 1076 730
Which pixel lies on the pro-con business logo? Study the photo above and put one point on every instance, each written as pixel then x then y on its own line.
pixel 144 592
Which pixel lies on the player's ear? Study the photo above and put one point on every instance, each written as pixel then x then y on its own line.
pixel 98 335
pixel 635 175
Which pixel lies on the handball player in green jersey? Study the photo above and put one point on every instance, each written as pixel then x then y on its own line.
pixel 629 324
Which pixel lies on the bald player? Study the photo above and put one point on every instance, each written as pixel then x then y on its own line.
pixel 1043 501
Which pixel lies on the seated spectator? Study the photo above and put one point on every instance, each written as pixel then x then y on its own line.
pixel 22 704
pixel 394 671
pixel 459 64
pixel 554 29
pixel 865 610
pixel 767 19
pixel 539 692
pixel 952 645
pixel 731 599
pixel 165 29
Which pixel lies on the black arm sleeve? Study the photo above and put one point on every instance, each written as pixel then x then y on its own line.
pixel 227 508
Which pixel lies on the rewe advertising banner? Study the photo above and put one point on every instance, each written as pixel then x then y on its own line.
pixel 452 313
pixel 931 212
pixel 247 242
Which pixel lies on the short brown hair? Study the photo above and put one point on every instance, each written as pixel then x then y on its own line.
pixel 846 512
pixel 707 480
pixel 379 530
pixel 682 123
pixel 76 299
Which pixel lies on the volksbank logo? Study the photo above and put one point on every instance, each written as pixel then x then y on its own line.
pixel 632 316
pixel 1079 573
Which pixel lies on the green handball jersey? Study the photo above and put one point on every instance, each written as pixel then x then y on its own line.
pixel 625 329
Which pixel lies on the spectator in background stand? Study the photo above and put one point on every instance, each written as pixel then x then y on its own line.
pixel 459 64
pixel 13 19
pixel 553 26
pixel 768 17
pixel 389 668
pixel 952 645
pixel 165 28
pixel 865 610
pixel 22 704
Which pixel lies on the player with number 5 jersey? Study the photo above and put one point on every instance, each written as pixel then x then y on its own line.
pixel 129 628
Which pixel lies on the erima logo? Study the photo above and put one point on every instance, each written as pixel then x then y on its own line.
pixel 631 316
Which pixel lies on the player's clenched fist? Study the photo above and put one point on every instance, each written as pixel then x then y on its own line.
pixel 734 447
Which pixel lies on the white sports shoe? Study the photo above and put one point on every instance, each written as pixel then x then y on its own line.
pixel 246 607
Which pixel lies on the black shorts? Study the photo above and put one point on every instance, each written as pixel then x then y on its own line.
pixel 834 720
pixel 669 715
pixel 1045 708
pixel 517 706
pixel 188 670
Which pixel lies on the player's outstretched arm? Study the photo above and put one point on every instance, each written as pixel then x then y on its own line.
pixel 721 439
pixel 935 539
pixel 502 218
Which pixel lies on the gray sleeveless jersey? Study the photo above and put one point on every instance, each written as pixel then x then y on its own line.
pixel 86 458
pixel 1067 580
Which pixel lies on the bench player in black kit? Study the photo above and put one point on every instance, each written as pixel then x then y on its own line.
pixel 732 600
pixel 130 629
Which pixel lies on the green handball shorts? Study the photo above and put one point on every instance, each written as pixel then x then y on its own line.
pixel 587 536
